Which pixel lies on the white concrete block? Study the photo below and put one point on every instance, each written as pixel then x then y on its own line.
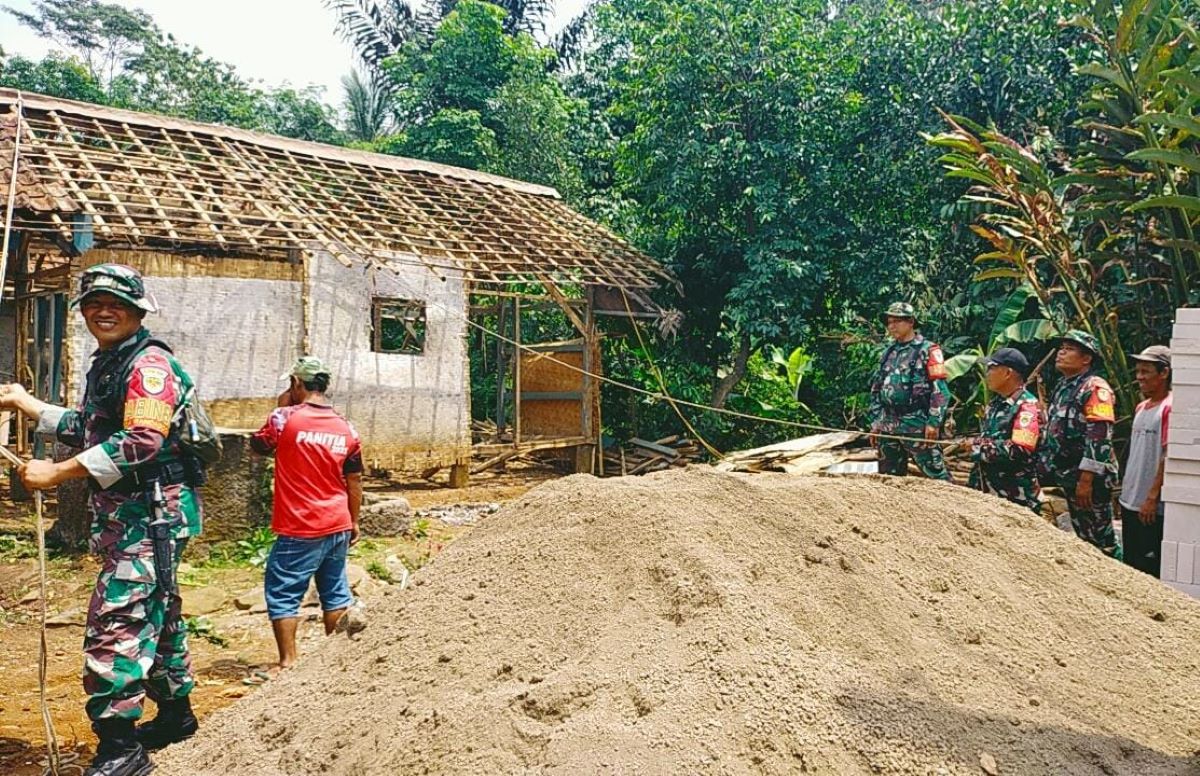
pixel 1177 466
pixel 1184 347
pixel 1184 452
pixel 1185 563
pixel 1182 435
pixel 1179 525
pixel 1181 494
pixel 1192 590
pixel 1170 560
pixel 1185 360
pixel 1185 376
pixel 1184 419
pixel 1185 331
pixel 1187 315
pixel 1186 398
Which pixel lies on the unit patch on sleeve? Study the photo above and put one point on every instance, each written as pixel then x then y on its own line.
pixel 936 365
pixel 1025 428
pixel 1099 406
pixel 154 379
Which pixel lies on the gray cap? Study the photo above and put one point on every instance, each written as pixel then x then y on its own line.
pixel 1155 354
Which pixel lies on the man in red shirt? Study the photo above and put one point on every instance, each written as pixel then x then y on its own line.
pixel 318 492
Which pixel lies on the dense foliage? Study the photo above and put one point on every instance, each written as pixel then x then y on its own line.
pixel 1011 167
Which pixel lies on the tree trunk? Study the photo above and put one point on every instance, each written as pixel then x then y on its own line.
pixel 726 384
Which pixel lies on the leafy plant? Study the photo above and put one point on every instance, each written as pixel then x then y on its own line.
pixel 255 548
pixel 419 528
pixel 380 572
pixel 203 628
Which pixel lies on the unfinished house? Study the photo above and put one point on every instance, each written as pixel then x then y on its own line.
pixel 260 248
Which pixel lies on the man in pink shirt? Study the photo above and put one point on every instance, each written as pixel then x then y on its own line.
pixel 318 492
pixel 1141 490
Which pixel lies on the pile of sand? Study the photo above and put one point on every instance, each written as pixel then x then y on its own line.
pixel 696 622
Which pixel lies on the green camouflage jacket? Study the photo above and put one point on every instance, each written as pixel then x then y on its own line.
pixel 125 422
pixel 1078 431
pixel 909 390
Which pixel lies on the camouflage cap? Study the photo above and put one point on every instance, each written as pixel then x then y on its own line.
pixel 899 310
pixel 306 368
pixel 121 281
pixel 1082 339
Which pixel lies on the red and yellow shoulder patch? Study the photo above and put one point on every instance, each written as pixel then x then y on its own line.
pixel 150 396
pixel 936 364
pixel 1100 404
pixel 1026 426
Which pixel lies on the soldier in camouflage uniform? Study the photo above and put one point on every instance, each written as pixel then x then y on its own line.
pixel 134 643
pixel 1076 447
pixel 1004 453
pixel 909 398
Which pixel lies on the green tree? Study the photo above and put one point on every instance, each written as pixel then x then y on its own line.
pixel 369 103
pixel 479 97
pixel 57 75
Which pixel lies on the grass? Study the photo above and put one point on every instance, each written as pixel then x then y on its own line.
pixel 13 548
pixel 202 628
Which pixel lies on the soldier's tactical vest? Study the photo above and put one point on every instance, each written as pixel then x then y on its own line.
pixel 1065 451
pixel 105 400
pixel 904 379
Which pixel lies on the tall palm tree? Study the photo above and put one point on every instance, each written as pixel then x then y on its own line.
pixel 376 30
pixel 368 103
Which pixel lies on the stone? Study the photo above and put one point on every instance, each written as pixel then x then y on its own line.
pixel 386 518
pixel 31 597
pixel 357 576
pixel 249 599
pixel 203 600
pixel 988 764
pixel 71 617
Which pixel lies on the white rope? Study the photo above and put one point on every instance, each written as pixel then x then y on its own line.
pixel 53 760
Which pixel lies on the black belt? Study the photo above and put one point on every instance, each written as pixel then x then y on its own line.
pixel 136 481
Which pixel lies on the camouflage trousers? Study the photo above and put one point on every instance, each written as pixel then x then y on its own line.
pixel 1018 489
pixel 135 643
pixel 1093 524
pixel 894 455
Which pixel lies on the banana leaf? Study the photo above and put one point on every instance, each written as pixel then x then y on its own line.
pixel 1011 311
pixel 1032 330
pixel 963 363
pixel 1184 159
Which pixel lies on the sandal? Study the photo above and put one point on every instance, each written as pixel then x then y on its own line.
pixel 257 678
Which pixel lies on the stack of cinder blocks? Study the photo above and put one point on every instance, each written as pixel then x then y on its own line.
pixel 1181 487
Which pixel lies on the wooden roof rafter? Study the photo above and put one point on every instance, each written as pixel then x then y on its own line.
pixel 163 182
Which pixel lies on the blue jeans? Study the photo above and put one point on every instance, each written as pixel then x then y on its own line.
pixel 294 562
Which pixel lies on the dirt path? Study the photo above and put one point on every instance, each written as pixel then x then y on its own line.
pixel 220 668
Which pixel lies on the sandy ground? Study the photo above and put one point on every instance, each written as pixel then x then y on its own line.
pixel 691 622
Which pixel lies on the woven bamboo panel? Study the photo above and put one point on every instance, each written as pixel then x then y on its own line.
pixel 546 372
pixel 158 264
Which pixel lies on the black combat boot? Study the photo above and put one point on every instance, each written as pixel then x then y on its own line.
pixel 174 722
pixel 119 753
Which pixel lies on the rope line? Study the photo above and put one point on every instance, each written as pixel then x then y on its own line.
pixel 662 396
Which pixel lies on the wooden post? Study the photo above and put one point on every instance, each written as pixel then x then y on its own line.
pixel 501 370
pixel 459 475
pixel 518 354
